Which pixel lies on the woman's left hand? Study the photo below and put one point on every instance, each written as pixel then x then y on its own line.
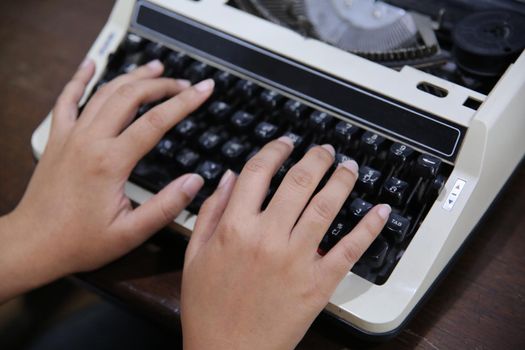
pixel 75 215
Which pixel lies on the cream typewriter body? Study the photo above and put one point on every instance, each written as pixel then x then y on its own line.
pixel 480 147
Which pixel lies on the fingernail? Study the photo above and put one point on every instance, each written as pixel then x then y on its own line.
pixel 329 148
pixel 205 85
pixel 384 211
pixel 155 65
pixel 192 185
pixel 351 165
pixel 286 140
pixel 184 83
pixel 85 63
pixel 226 178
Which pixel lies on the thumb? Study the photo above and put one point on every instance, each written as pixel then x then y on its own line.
pixel 163 208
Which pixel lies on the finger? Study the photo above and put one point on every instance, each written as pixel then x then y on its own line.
pixel 142 135
pixel 298 186
pixel 66 109
pixel 210 214
pixel 161 209
pixel 348 250
pixel 323 208
pixel 149 71
pixel 256 175
pixel 119 109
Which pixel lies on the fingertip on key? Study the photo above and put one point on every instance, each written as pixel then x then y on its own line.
pixel 205 85
pixel 155 65
pixel 384 211
pixel 286 140
pixel 351 165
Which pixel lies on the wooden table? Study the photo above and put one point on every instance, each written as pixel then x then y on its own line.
pixel 481 304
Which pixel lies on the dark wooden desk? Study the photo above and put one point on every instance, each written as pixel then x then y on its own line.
pixel 481 304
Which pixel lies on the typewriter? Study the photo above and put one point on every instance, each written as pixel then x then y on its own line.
pixel 428 97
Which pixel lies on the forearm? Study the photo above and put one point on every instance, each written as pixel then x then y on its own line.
pixel 24 264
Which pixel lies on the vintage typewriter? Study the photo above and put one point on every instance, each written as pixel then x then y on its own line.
pixel 428 97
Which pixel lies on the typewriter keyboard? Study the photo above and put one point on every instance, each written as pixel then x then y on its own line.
pixel 242 116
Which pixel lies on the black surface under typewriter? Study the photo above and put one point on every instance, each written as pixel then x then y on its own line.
pixel 241 117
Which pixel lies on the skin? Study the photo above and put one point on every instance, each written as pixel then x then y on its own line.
pixel 252 278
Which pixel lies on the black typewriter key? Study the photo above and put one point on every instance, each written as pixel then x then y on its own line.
pixel 339 159
pixel 270 100
pixel 197 71
pixel 399 154
pixel 223 80
pixel 186 128
pixel 246 89
pixel 338 229
pixel 133 43
pixel 155 51
pixel 210 171
pixel 344 132
pixel 358 209
pixel 434 188
pixel 295 111
pixel 396 228
pixel 166 148
pixel 242 121
pixel 233 150
pixel 298 141
pixel 152 175
pixel 375 255
pixel 219 111
pixel 371 143
pixel 266 132
pixel 187 159
pixel 210 141
pixel 394 191
pixel 175 64
pixel 321 121
pixel 427 166
pixel 369 180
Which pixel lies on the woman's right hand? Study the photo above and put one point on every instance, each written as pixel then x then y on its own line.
pixel 252 278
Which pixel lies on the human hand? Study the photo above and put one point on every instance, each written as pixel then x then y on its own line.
pixel 75 215
pixel 253 279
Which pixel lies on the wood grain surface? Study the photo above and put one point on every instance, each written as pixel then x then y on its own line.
pixel 479 305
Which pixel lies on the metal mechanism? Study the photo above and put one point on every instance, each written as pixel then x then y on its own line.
pixel 372 29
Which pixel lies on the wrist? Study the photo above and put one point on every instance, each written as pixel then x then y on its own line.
pixel 25 261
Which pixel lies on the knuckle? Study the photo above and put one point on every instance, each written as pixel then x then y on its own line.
pixel 227 232
pixel 80 143
pixel 72 86
pixel 257 165
pixel 167 212
pixel 322 155
pixel 323 209
pixel 126 91
pixel 105 90
pixel 155 119
pixel 65 97
pixel 101 160
pixel 351 252
pixel 300 178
